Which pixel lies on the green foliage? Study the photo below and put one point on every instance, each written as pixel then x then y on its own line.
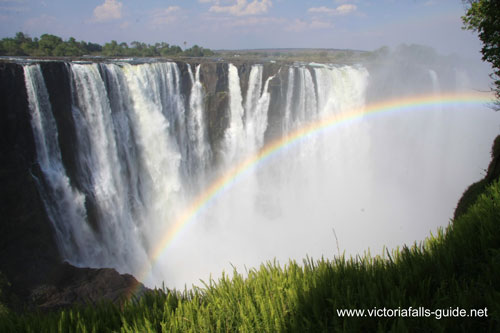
pixel 113 49
pixel 483 16
pixel 457 267
pixel 50 45
pixel 47 45
pixel 139 49
pixel 197 51
pixel 474 191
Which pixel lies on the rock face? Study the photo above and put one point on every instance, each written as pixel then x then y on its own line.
pixel 29 256
pixel 85 286
pixel 28 251
pixel 215 82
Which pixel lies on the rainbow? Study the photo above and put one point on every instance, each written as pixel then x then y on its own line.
pixel 410 103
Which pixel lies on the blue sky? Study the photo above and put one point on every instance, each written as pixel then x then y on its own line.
pixel 238 24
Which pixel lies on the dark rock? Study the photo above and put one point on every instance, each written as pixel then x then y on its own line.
pixel 57 81
pixel 28 250
pixel 277 88
pixel 29 255
pixel 73 285
pixel 214 77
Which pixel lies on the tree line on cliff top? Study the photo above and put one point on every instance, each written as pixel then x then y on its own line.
pixel 53 46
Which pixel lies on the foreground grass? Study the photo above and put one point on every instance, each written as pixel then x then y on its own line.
pixel 457 267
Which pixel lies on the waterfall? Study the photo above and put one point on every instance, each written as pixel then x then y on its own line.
pixel 435 81
pixel 64 204
pixel 289 101
pixel 142 156
pixel 257 109
pixel 234 134
pixel 199 150
pixel 254 89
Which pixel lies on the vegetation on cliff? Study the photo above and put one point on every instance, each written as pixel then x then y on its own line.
pixel 50 45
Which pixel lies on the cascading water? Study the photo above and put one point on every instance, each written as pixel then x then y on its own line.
pixel 101 173
pixel 143 154
pixel 233 146
pixel 62 202
pixel 200 152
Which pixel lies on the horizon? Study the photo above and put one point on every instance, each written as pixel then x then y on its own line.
pixel 249 24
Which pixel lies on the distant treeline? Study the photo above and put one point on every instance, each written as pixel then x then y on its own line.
pixel 51 45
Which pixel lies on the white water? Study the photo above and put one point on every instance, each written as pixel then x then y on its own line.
pixel 143 155
pixel 234 144
pixel 198 140
pixel 61 200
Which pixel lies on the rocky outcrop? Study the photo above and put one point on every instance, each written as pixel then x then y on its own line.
pixel 72 285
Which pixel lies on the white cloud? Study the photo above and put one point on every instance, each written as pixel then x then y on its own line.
pixel 346 9
pixel 297 25
pixel 166 15
pixel 318 24
pixel 241 7
pixel 255 21
pixel 300 25
pixel 340 10
pixel 108 11
pixel 322 10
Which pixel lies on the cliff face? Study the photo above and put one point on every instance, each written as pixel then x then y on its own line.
pixel 29 254
pixel 27 247
pixel 215 84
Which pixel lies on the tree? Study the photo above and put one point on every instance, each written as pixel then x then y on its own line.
pixel 91 47
pixel 9 46
pixel 51 45
pixel 194 51
pixel 113 49
pixel 483 17
pixel 48 44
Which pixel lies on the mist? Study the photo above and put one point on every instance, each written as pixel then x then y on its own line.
pixel 156 193
pixel 377 182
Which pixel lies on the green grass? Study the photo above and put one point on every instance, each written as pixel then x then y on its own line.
pixel 456 267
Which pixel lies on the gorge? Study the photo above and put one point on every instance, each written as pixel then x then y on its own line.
pixel 101 159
